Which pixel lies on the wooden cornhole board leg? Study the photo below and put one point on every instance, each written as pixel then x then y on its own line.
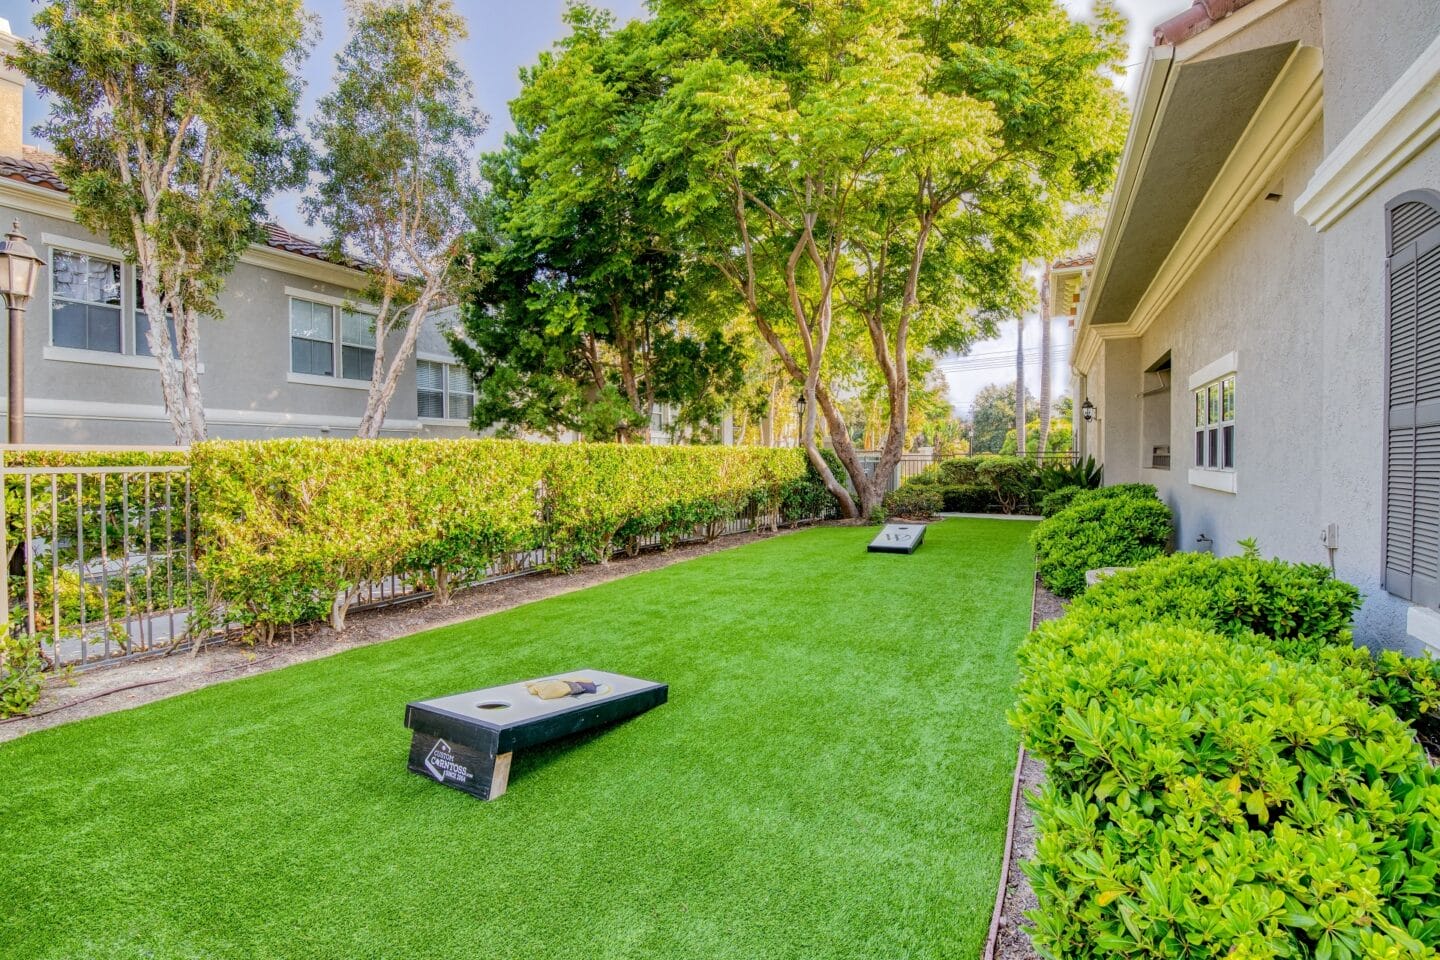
pixel 500 779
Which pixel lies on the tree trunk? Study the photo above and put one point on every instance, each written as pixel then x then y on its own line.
pixel 386 376
pixel 1020 387
pixel 1045 387
pixel 178 364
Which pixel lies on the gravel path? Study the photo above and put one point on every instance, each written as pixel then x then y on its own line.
pixel 1012 942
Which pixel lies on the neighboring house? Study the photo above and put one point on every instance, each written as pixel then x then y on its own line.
pixel 1266 295
pixel 291 356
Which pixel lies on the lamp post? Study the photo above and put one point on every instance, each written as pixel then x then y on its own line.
pixel 19 268
pixel 800 419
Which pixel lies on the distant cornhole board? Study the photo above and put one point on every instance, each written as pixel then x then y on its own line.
pixel 899 538
pixel 466 740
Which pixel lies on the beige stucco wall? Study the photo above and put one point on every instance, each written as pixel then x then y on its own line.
pixel 1368 45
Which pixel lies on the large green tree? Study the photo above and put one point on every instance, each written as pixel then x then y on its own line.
pixel 173 121
pixel 396 161
pixel 583 313
pixel 993 417
pixel 879 169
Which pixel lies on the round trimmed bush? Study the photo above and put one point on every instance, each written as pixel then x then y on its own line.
pixel 1123 528
pixel 914 502
pixel 1059 500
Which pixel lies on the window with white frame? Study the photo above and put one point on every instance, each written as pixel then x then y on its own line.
pixel 312 338
pixel 142 325
pixel 85 306
pixel 443 391
pixel 1215 424
pixel 357 345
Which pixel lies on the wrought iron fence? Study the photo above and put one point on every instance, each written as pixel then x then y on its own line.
pixel 101 562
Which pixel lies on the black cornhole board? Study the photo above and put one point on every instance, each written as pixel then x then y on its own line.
pixel 898 538
pixel 466 740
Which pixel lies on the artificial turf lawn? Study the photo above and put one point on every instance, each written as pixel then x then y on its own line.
pixel 829 779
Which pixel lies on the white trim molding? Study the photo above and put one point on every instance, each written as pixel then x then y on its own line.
pixel 76 245
pixel 48 409
pixel 313 380
pixel 102 358
pixel 1215 370
pixel 1400 125
pixel 437 358
pixel 345 303
pixel 1223 481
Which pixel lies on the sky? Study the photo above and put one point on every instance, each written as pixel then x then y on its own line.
pixel 508 34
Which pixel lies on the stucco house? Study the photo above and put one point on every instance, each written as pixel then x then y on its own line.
pixel 291 357
pixel 1265 300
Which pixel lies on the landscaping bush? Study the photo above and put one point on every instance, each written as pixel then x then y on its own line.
pixel 913 502
pixel 291 529
pixel 1012 480
pixel 806 497
pixel 1209 797
pixel 968 498
pixel 1056 474
pixel 22 670
pixel 1296 609
pixel 1100 529
pixel 1053 503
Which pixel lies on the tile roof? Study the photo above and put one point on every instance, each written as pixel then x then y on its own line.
pixel 1070 263
pixel 1202 15
pixel 37 169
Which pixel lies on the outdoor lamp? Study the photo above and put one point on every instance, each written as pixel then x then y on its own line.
pixel 1087 411
pixel 19 269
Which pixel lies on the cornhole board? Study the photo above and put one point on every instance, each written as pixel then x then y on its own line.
pixel 466 740
pixel 898 538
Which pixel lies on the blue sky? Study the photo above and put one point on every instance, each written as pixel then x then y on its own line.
pixel 508 34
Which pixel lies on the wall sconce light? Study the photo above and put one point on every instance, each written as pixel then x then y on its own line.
pixel 1087 411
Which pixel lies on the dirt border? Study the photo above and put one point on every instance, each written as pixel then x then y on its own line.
pixel 1008 939
pixel 130 684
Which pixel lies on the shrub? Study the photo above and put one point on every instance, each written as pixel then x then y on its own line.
pixel 1119 529
pixel 1058 500
pixel 1055 475
pixel 290 529
pixel 806 497
pixel 1297 609
pixel 913 502
pixel 968 498
pixel 1209 797
pixel 22 670
pixel 1012 479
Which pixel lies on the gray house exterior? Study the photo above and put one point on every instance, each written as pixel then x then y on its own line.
pixel 1260 335
pixel 288 357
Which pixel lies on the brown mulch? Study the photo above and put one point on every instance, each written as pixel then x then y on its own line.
pixel 124 685
pixel 1011 941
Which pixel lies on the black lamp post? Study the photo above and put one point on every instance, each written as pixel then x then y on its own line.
pixel 19 269
pixel 800 420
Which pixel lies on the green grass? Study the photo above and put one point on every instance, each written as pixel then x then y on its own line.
pixel 829 779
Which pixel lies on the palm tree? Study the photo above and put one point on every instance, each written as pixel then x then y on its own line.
pixel 1045 333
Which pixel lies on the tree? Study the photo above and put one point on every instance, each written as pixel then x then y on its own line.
pixel 582 314
pixel 1020 385
pixel 173 121
pixel 993 416
pixel 878 165
pixel 1045 360
pixel 396 138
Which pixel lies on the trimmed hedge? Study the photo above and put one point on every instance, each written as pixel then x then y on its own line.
pixel 1001 484
pixel 1209 797
pixel 914 502
pixel 291 529
pixel 1059 500
pixel 1110 527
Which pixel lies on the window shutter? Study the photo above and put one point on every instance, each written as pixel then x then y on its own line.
pixel 1412 493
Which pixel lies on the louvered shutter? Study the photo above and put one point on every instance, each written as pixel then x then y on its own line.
pixel 1412 494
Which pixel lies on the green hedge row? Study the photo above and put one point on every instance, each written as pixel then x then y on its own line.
pixel 1110 527
pixel 994 484
pixel 291 529
pixel 1226 778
